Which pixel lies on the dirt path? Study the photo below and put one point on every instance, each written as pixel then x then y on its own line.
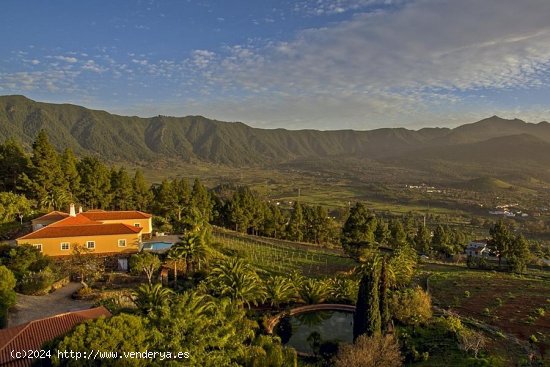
pixel 30 308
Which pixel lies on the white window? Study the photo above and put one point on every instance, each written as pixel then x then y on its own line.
pixel 38 246
pixel 121 243
pixel 90 245
pixel 136 225
pixel 65 246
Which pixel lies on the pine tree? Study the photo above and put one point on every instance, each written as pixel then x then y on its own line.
pixel 398 234
pixel 142 195
pixel 70 172
pixel 358 230
pixel 14 164
pixel 121 190
pixel 422 239
pixel 295 228
pixel 46 174
pixel 95 177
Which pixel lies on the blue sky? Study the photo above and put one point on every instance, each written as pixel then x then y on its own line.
pixel 325 64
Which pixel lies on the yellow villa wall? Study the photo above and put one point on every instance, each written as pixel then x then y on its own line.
pixel 103 244
pixel 146 223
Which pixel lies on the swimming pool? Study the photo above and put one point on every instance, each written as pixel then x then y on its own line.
pixel 157 246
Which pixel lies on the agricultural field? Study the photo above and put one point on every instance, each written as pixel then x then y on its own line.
pixel 517 306
pixel 282 257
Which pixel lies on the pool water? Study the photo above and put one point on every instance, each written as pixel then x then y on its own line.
pixel 305 332
pixel 157 246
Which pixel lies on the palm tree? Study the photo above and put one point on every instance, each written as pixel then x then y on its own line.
pixel 176 254
pixel 149 298
pixel 343 290
pixel 279 290
pixel 313 291
pixel 236 279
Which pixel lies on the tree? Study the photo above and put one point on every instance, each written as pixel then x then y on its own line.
pixel 398 234
pixel 191 249
pixel 150 298
pixel 237 280
pixel 121 333
pixel 70 172
pixel 358 231
pixel 501 239
pixel 382 233
pixel 384 285
pixel 121 190
pixel 422 240
pixel 279 290
pixel 7 293
pixel 343 290
pixel 471 341
pixel 366 319
pixel 267 351
pixel 295 227
pixel 145 262
pixel 12 206
pixel 46 174
pixel 14 164
pixel 441 241
pixel 142 196
pixel 95 177
pixel 402 265
pixel 372 351
pixel 313 291
pixel 518 254
pixel 411 306
pixel 23 259
pixel 85 263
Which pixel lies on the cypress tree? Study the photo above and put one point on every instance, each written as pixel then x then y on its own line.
pixel 385 316
pixel 367 318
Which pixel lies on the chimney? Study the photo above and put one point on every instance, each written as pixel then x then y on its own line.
pixel 80 209
pixel 72 212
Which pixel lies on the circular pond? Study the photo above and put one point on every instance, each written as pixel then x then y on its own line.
pixel 306 332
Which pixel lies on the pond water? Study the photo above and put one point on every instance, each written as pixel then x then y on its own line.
pixel 305 332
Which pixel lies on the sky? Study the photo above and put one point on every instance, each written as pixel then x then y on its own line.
pixel 320 64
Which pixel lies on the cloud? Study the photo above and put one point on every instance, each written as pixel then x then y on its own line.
pixel 68 59
pixel 428 51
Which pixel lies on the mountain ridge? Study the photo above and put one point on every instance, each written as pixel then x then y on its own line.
pixel 196 139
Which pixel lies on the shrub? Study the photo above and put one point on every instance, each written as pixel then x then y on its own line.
pixel 412 306
pixel 34 282
pixel 7 294
pixel 370 352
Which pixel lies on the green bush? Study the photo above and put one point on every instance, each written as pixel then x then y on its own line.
pixel 7 294
pixel 34 282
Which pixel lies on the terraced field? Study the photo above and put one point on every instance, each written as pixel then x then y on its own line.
pixel 282 257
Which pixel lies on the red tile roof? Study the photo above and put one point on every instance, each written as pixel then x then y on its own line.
pixel 116 215
pixel 52 216
pixel 32 335
pixel 82 230
pixel 79 219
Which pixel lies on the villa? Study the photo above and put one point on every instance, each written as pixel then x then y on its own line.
pixel 102 232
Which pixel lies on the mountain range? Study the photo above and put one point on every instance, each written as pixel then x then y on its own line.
pixel 498 146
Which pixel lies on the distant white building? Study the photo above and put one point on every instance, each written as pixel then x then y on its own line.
pixel 478 249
